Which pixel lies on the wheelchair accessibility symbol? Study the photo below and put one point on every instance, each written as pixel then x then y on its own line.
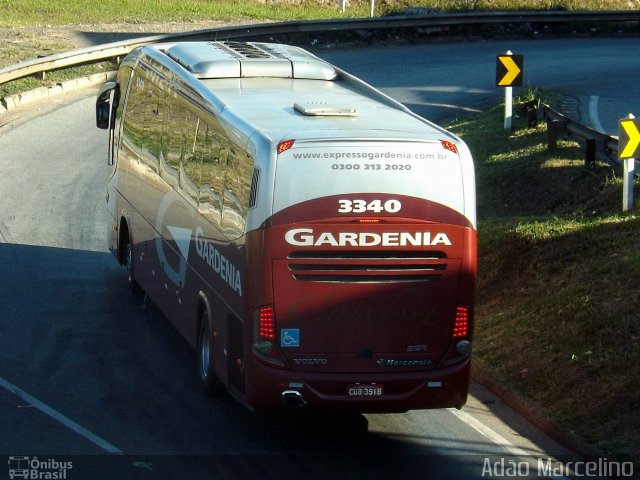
pixel 290 337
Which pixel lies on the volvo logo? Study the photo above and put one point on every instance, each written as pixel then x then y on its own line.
pixel 311 361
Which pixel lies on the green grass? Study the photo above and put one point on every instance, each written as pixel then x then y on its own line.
pixel 558 313
pixel 69 12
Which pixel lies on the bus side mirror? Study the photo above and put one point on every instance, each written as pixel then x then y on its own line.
pixel 106 104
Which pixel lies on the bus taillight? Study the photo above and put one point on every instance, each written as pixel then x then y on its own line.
pixel 266 323
pixel 462 330
pixel 460 348
pixel 447 145
pixel 264 336
pixel 284 146
pixel 461 324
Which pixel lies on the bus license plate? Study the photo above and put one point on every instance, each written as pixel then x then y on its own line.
pixel 365 390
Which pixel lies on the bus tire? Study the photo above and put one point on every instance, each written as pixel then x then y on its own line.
pixel 206 368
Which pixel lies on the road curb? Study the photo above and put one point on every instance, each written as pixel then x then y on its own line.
pixel 12 101
pixel 532 413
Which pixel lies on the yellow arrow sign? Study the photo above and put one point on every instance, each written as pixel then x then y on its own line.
pixel 631 129
pixel 509 69
pixel 512 71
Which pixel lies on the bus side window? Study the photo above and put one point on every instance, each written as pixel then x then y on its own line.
pixel 172 143
pixel 212 178
pixel 190 168
pixel 153 126
pixel 124 77
pixel 239 173
pixel 133 127
pixel 178 147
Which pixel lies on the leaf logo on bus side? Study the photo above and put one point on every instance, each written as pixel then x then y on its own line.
pixel 182 237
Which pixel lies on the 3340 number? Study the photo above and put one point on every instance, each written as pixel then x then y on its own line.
pixel 362 206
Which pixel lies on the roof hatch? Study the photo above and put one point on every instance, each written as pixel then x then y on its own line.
pixel 249 59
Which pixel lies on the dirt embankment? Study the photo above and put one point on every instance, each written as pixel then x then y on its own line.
pixel 23 43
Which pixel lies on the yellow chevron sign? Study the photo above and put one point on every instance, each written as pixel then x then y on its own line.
pixel 509 69
pixel 629 138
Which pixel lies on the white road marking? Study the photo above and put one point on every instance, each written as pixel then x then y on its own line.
pixel 487 432
pixel 496 438
pixel 59 417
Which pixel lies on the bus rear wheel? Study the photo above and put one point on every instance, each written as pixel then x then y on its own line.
pixel 206 368
pixel 127 255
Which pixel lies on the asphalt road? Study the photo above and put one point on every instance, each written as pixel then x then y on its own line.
pixel 597 76
pixel 98 377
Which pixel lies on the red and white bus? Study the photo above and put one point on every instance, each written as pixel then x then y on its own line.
pixel 313 239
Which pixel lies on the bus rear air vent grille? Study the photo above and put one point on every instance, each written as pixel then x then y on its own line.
pixel 368 254
pixel 367 267
pixel 248 50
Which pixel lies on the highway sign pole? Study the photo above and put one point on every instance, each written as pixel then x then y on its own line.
pixel 627 186
pixel 509 74
pixel 508 103
pixel 628 151
pixel 508 107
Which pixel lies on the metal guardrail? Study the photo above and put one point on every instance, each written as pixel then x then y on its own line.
pixel 117 49
pixel 596 144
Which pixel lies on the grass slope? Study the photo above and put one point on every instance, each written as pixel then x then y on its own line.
pixel 558 286
pixel 72 12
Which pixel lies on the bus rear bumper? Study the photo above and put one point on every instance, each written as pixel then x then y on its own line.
pixel 273 388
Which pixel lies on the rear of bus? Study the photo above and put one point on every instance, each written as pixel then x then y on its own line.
pixel 369 261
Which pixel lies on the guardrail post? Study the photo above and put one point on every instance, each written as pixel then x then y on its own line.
pixel 552 133
pixel 590 153
pixel 532 116
pixel 532 113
